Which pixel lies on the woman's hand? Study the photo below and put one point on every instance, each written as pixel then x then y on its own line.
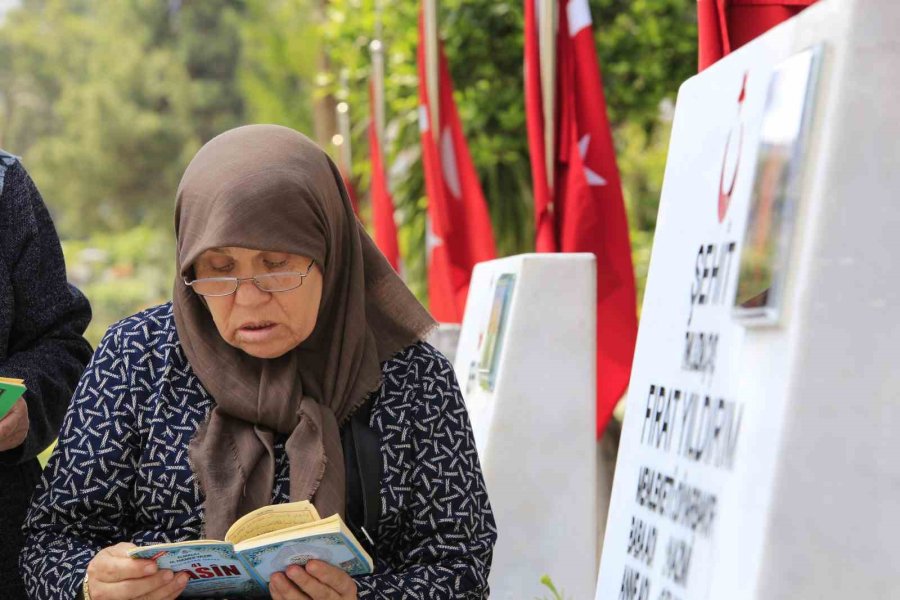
pixel 113 575
pixel 14 426
pixel 317 581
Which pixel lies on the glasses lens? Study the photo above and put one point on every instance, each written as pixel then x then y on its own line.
pixel 215 286
pixel 279 282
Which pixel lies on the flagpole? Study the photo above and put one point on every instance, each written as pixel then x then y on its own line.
pixel 432 64
pixel 343 119
pixel 376 48
pixel 547 27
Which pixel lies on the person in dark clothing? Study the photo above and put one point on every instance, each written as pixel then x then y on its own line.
pixel 42 319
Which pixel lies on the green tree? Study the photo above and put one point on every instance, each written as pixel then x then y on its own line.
pixel 207 42
pixel 204 37
pixel 108 101
pixel 35 54
pixel 121 273
pixel 110 132
pixel 646 48
pixel 278 64
pixel 483 44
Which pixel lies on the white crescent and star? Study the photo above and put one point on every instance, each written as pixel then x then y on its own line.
pixel 447 150
pixel 448 164
pixel 432 240
pixel 594 179
pixel 579 16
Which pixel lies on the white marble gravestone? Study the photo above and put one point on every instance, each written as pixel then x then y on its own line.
pixel 527 374
pixel 760 454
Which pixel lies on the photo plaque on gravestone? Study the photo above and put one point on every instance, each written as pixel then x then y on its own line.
pixel 776 188
pixel 492 343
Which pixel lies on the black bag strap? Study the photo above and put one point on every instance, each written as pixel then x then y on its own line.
pixel 362 460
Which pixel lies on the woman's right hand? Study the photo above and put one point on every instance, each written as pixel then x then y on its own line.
pixel 113 575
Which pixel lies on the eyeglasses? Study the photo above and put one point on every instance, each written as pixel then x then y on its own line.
pixel 271 282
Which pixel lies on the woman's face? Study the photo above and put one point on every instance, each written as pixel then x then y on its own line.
pixel 262 324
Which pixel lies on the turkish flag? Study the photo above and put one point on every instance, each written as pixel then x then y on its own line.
pixel 544 219
pixel 459 227
pixel 382 204
pixel 585 210
pixel 725 25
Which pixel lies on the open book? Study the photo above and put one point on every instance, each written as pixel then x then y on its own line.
pixel 265 541
pixel 10 391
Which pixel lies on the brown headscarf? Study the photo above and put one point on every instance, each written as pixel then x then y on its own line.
pixel 270 188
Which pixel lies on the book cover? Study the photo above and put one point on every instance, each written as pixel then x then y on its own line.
pixel 266 541
pixel 215 570
pixel 329 541
pixel 10 391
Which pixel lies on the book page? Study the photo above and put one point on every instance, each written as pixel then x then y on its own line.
pixel 332 524
pixel 10 391
pixel 271 518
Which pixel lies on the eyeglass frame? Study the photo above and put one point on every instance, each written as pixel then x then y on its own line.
pixel 239 280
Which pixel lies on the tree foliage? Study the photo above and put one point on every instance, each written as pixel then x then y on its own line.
pixel 107 102
pixel 278 63
pixel 646 48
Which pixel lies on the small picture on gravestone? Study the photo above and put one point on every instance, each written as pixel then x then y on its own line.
pixel 493 337
pixel 776 188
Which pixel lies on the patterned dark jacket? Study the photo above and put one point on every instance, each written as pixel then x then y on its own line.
pixel 120 471
pixel 41 321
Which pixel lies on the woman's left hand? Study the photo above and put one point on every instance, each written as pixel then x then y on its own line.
pixel 317 581
pixel 14 426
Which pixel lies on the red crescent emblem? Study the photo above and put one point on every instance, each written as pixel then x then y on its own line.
pixel 725 195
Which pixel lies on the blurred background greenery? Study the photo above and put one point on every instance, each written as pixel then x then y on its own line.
pixel 107 100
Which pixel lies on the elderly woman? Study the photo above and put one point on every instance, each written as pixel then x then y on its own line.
pixel 285 321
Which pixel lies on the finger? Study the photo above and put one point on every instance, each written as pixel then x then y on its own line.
pixel 17 410
pixel 275 588
pixel 311 586
pixel 112 565
pixel 114 569
pixel 120 549
pixel 8 421
pixel 134 588
pixel 334 577
pixel 285 588
pixel 17 413
pixel 282 588
pixel 171 590
pixel 20 420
